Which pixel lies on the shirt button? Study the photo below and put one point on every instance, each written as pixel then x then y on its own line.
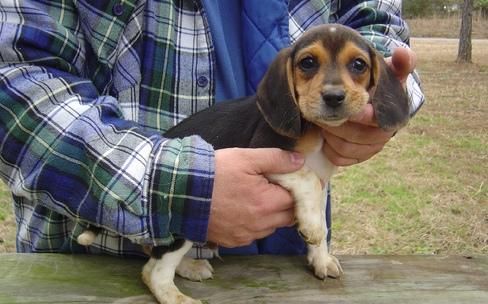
pixel 118 9
pixel 202 81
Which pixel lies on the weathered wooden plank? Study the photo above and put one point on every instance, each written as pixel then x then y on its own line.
pixel 49 278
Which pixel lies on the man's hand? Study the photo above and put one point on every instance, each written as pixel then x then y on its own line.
pixel 245 205
pixel 360 138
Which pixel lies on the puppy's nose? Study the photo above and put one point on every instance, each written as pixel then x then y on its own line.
pixel 334 98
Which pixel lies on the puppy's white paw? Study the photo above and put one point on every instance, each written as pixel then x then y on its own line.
pixel 194 270
pixel 324 265
pixel 169 294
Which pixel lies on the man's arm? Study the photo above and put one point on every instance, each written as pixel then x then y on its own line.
pixel 66 145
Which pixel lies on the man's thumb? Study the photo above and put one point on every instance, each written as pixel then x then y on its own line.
pixel 273 160
pixel 403 62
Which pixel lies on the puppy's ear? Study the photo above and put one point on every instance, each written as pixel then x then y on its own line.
pixel 276 97
pixel 389 99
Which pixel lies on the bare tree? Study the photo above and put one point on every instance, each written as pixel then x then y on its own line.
pixel 465 47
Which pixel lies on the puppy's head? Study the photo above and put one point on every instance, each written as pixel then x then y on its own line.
pixel 327 76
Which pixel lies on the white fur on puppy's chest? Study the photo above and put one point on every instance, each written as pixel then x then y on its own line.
pixel 316 161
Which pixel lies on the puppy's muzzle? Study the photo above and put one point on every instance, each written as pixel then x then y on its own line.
pixel 334 98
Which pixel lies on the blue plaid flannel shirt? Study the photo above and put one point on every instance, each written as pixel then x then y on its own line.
pixel 86 90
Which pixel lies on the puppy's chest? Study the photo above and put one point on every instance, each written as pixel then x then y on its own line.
pixel 311 144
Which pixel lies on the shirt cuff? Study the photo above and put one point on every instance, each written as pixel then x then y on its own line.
pixel 182 185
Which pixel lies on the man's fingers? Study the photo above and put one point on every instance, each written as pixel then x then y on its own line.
pixel 357 134
pixel 350 153
pixel 276 220
pixel 275 199
pixel 365 117
pixel 275 161
pixel 337 159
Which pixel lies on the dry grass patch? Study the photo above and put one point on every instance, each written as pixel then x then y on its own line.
pixel 7 222
pixel 446 27
pixel 427 191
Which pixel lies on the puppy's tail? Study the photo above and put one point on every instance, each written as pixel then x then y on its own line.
pixel 87 237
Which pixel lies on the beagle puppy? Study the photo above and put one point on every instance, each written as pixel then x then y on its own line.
pixel 327 76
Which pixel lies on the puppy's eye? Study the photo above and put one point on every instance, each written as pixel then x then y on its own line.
pixel 308 64
pixel 358 66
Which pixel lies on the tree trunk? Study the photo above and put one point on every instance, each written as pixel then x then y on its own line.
pixel 464 51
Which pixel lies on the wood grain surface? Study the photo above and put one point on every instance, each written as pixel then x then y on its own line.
pixel 56 278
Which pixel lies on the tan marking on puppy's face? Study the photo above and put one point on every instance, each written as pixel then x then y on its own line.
pixel 331 85
pixel 309 79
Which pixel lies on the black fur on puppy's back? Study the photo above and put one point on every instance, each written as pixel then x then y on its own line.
pixel 231 124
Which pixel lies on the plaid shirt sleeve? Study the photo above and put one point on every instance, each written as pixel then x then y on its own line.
pixel 66 144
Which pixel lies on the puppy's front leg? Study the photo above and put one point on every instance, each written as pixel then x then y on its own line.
pixel 158 275
pixel 324 264
pixel 306 189
pixel 310 200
